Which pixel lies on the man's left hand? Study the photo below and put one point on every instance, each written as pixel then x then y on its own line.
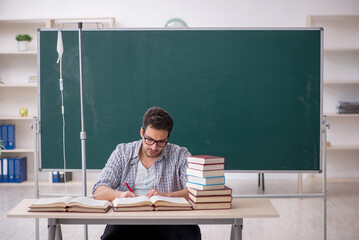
pixel 154 192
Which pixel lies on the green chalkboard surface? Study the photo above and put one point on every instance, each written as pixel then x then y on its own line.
pixel 252 96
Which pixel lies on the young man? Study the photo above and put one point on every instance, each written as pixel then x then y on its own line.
pixel 150 166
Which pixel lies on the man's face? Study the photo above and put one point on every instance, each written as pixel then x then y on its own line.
pixel 153 141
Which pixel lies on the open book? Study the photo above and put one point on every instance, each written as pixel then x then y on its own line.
pixel 144 203
pixel 70 204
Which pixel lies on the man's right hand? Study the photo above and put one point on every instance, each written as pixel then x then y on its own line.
pixel 107 193
pixel 127 194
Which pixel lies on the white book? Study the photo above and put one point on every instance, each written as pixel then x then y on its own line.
pixel 204 167
pixel 204 187
pixel 205 159
pixel 206 181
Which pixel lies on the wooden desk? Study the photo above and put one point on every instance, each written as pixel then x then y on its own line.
pixel 241 208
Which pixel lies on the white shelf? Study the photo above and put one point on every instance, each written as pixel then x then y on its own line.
pixel 341 115
pixel 18 53
pixel 343 147
pixel 339 82
pixel 18 150
pixel 16 118
pixel 26 21
pixel 332 17
pixel 19 85
pixel 340 49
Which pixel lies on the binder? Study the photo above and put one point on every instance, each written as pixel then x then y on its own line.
pixel 0 169
pixel 4 135
pixel 61 177
pixel 5 168
pixel 20 169
pixel 55 177
pixel 11 168
pixel 65 176
pixel 11 136
pixel 1 133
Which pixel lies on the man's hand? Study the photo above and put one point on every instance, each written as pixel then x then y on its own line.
pixel 127 194
pixel 154 192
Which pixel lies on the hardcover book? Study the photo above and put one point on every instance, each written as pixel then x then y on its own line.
pixel 69 204
pixel 205 159
pixel 206 180
pixel 208 206
pixel 207 173
pixel 225 191
pixel 205 167
pixel 144 203
pixel 210 199
pixel 204 187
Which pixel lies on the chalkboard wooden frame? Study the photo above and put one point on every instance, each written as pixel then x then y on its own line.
pixel 205 58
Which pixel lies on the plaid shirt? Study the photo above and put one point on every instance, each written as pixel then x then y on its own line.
pixel 121 167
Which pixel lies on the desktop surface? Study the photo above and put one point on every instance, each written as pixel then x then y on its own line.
pixel 241 208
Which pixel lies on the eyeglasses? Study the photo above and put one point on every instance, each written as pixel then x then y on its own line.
pixel 150 141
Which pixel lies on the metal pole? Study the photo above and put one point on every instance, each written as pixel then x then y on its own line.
pixel 83 133
pixel 34 127
pixel 326 126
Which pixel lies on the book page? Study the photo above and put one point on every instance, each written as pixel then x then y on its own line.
pixel 119 202
pixel 50 201
pixel 89 202
pixel 179 200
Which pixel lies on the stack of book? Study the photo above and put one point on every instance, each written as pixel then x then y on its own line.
pixel 347 107
pixel 60 177
pixel 32 79
pixel 206 183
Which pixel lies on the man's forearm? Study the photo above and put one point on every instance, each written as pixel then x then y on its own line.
pixel 106 193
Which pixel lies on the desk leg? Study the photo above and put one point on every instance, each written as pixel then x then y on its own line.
pixel 236 232
pixel 51 225
pixel 58 232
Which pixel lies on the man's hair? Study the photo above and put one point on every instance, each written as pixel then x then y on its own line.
pixel 158 118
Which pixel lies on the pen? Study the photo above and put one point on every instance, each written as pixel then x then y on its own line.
pixel 128 187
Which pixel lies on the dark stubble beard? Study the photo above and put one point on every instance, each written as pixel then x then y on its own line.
pixel 151 156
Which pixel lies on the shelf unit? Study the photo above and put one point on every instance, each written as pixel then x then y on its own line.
pixel 16 68
pixel 340 83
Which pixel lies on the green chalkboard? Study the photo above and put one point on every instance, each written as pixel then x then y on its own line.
pixel 252 96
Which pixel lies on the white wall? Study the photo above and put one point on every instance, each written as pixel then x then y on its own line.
pixel 196 13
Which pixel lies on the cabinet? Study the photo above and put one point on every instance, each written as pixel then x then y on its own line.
pixel 16 68
pixel 340 83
